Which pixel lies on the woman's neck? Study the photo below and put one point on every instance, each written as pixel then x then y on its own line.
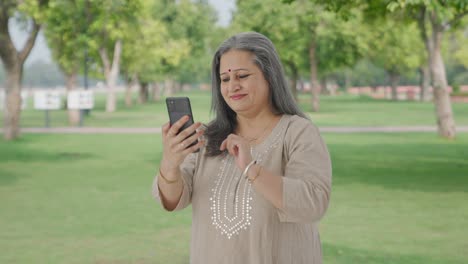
pixel 255 128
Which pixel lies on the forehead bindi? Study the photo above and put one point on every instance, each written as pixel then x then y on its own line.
pixel 229 70
pixel 235 60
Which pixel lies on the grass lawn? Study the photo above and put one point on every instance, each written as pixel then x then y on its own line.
pixel 344 110
pixel 397 198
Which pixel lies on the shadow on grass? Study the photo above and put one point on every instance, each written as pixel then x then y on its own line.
pixel 340 254
pixel 407 166
pixel 7 177
pixel 20 151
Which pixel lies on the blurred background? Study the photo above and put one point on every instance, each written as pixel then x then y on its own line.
pixel 82 95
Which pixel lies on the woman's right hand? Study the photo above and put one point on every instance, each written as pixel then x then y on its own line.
pixel 175 146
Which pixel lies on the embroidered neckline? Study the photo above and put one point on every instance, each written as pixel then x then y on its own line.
pixel 232 197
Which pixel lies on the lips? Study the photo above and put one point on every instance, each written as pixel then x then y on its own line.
pixel 237 96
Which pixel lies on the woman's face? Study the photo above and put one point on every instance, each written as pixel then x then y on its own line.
pixel 243 85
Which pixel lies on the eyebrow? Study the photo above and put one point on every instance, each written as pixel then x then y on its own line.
pixel 240 69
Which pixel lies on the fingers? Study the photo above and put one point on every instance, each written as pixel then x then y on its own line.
pixel 193 139
pixel 193 148
pixel 165 129
pixel 179 146
pixel 177 125
pixel 231 144
pixel 184 134
pixel 188 141
pixel 223 145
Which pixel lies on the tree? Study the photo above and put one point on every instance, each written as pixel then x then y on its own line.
pixel 13 59
pixel 109 23
pixel 436 17
pixel 195 22
pixel 190 24
pixel 150 49
pixel 279 23
pixel 65 32
pixel 461 52
pixel 395 47
pixel 306 35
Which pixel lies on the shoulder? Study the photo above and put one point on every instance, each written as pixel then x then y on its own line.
pixel 301 133
pixel 298 125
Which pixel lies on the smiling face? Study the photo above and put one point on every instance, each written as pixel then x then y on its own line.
pixel 243 85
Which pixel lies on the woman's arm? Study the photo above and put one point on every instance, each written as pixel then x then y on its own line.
pixel 173 182
pixel 302 194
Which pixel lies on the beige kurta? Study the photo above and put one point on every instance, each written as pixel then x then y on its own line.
pixel 232 223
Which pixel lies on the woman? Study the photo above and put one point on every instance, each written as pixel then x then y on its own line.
pixel 262 182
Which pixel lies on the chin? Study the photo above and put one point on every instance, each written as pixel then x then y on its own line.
pixel 238 106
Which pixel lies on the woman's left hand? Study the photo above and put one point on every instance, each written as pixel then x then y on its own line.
pixel 239 147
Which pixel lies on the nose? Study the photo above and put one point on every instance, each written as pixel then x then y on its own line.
pixel 233 84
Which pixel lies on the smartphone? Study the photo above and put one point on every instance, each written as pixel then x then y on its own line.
pixel 177 107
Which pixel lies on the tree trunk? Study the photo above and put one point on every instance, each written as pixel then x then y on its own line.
pixel 424 82
pixel 422 19
pixel 315 86
pixel 111 71
pixel 73 114
pixel 323 85
pixel 177 87
pixel 443 105
pixel 128 95
pixel 168 87
pixel 394 80
pixel 144 93
pixel 13 61
pixel 347 79
pixel 156 92
pixel 11 115
pixel 129 91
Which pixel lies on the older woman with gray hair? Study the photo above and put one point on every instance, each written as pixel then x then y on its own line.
pixel 261 181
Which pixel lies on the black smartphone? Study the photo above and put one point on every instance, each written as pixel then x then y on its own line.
pixel 177 107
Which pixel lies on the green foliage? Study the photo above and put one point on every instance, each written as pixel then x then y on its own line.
pixel 365 73
pixel 35 9
pixel 192 23
pixel 278 22
pixel 293 26
pixel 79 25
pixel 66 33
pixel 396 46
pixel 459 42
pixel 149 46
pixel 341 43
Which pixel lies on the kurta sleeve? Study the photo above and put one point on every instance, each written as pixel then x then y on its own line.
pixel 187 169
pixel 307 174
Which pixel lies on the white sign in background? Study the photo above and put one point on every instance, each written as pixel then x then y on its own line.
pixel 47 100
pixel 24 100
pixel 82 99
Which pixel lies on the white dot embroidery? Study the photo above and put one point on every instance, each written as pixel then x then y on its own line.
pixel 231 199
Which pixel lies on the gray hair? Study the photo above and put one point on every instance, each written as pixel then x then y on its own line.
pixel 267 59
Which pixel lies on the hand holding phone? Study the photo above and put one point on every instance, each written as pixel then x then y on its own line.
pixel 178 107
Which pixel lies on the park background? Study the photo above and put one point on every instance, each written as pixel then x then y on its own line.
pixel 81 193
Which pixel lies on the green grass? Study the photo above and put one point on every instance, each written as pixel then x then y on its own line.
pixel 397 198
pixel 350 110
pixel 343 110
